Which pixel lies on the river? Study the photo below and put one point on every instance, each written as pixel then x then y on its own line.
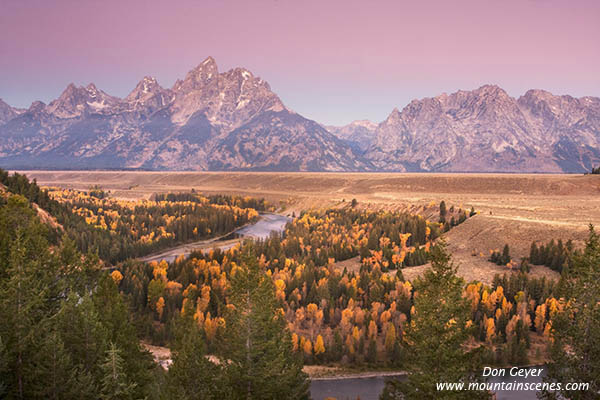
pixel 261 229
pixel 370 388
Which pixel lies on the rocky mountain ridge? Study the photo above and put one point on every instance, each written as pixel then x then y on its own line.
pixel 209 120
pixel 486 130
pixel 232 120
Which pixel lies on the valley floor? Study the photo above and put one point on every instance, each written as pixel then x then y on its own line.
pixel 514 209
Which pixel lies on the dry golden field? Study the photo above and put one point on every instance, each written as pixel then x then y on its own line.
pixel 513 209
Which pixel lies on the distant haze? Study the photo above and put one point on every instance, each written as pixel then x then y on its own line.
pixel 332 61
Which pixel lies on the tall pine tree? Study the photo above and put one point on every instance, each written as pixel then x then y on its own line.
pixel 116 385
pixel 256 349
pixel 434 342
pixel 192 375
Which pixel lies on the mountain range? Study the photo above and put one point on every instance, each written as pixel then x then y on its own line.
pixel 232 120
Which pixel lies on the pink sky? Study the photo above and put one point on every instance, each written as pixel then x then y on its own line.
pixel 333 61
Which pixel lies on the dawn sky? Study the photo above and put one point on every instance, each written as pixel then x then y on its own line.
pixel 332 61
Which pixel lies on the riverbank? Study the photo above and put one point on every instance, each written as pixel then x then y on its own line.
pixel 258 229
pixel 162 355
pixel 320 373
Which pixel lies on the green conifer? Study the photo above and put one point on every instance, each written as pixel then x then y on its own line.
pixel 256 350
pixel 435 338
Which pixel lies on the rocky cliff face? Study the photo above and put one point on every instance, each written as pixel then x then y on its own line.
pixel 232 120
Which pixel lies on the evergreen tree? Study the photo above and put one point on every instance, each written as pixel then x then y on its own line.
pixel 115 383
pixel 191 375
pixel 57 376
pixel 575 330
pixel 534 254
pixel 435 338
pixel 83 335
pixel 443 211
pixel 116 321
pixel 506 254
pixel 256 349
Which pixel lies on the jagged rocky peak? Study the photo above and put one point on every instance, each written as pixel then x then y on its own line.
pixel 6 112
pixel 226 99
pixel 199 76
pixel 395 116
pixel 486 102
pixel 37 108
pixel 537 94
pixel 564 111
pixel 484 94
pixel 92 90
pixel 148 96
pixel 536 97
pixel 77 100
pixel 492 90
pixel 431 106
pixel 147 87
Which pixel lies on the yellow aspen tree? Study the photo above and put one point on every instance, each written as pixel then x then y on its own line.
pixel 372 330
pixel 552 305
pixel 359 316
pixel 540 318
pixel 210 327
pixel 390 337
pixel 160 305
pixel 350 344
pixel 548 332
pixel 204 299
pixel 295 341
pixel 345 323
pixel 498 313
pixel 355 334
pixel 307 347
pixel 385 317
pixel 506 306
pixel 116 277
pixel 199 318
pixel 319 318
pixel 490 331
pixel 472 293
pixel 280 289
pixel 319 345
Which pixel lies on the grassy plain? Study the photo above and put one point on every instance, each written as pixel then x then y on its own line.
pixel 513 208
